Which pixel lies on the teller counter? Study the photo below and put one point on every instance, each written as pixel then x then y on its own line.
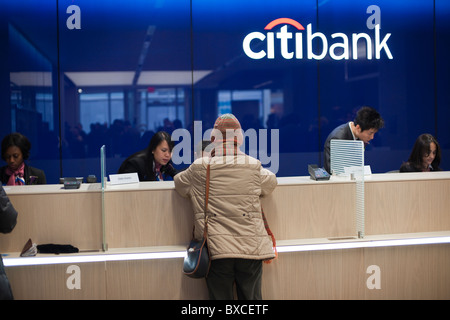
pixel 52 214
pixel 132 240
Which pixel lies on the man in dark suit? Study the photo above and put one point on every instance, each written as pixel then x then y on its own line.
pixel 367 122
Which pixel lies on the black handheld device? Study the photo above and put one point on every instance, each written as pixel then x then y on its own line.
pixel 317 173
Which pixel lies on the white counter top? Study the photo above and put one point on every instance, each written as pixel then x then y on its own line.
pixel 298 180
pixel 408 176
pixel 168 185
pixel 51 188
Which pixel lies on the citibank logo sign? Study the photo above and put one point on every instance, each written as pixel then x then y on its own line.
pixel 302 44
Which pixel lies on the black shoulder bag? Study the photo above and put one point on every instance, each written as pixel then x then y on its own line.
pixel 197 261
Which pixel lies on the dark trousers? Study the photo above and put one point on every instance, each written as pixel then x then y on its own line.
pixel 225 273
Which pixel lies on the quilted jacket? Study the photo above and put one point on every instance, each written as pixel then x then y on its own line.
pixel 235 225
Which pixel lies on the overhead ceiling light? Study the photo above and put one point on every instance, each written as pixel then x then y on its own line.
pixel 125 78
pixel 171 77
pixel 100 79
pixel 31 79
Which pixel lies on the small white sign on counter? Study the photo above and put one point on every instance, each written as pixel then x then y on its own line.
pixel 355 169
pixel 124 178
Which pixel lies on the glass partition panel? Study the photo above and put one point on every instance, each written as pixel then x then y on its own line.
pixel 29 85
pixel 442 65
pixel 126 68
pixel 379 56
pixel 255 72
pixel 103 183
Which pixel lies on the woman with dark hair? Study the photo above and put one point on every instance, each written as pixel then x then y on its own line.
pixel 425 155
pixel 15 150
pixel 154 162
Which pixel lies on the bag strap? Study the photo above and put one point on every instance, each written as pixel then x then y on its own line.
pixel 269 232
pixel 205 228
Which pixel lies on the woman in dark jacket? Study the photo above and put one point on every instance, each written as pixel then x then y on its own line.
pixel 154 162
pixel 425 155
pixel 8 219
pixel 15 150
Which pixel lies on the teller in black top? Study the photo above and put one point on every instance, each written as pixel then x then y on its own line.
pixel 15 150
pixel 153 163
pixel 425 155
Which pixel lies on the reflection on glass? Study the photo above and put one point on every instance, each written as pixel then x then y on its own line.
pixel 103 166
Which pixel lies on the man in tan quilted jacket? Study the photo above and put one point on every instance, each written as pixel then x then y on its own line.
pixel 237 237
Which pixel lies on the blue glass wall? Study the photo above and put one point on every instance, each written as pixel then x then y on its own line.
pixel 79 74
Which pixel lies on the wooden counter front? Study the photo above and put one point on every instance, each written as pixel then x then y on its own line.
pixel 407 202
pixel 298 208
pixel 154 214
pixel 51 214
pixel 300 211
pixel 404 272
pixel 150 214
pixel 146 214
